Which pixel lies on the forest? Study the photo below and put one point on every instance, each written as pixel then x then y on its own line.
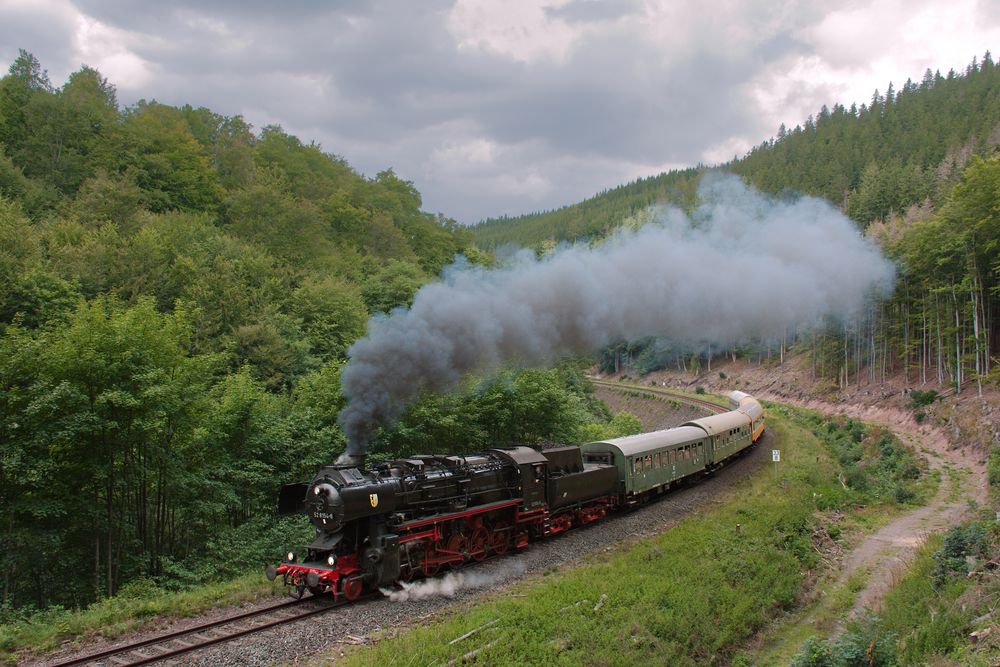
pixel 178 292
pixel 917 169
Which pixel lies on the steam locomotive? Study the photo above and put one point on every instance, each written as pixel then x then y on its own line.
pixel 413 517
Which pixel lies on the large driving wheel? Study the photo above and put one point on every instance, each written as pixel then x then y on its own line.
pixel 478 543
pixel 457 544
pixel 500 538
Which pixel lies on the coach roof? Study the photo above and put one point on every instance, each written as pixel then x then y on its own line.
pixel 633 445
pixel 717 424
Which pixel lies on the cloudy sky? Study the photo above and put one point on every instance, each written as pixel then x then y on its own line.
pixel 507 106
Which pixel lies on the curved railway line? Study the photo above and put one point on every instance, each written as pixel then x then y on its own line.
pixel 714 407
pixel 173 644
pixel 170 646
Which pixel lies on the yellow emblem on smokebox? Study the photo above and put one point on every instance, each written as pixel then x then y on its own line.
pixel 373 498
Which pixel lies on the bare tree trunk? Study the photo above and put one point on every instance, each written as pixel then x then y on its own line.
pixel 958 344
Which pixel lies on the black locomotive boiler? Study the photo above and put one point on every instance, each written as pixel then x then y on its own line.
pixel 412 517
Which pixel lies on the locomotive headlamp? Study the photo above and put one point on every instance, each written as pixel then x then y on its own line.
pixel 331 560
pixel 291 556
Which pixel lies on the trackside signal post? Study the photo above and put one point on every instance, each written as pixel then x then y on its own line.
pixel 776 457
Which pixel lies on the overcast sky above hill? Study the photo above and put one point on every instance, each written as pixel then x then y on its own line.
pixel 507 106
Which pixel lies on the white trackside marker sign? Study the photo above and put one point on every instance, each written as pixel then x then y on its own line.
pixel 775 455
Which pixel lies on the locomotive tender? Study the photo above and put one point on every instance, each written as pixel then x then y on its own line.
pixel 412 517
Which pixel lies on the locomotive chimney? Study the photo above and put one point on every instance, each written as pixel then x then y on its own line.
pixel 347 460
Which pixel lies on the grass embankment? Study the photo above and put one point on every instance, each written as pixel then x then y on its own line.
pixel 690 596
pixel 880 478
pixel 125 612
pixel 926 615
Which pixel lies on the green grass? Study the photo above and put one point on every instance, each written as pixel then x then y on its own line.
pixel 833 601
pixel 690 596
pixel 927 619
pixel 44 631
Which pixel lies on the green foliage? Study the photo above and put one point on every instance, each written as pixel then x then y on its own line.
pixel 168 163
pixel 177 293
pixel 960 543
pixel 622 424
pixel 699 390
pixel 993 467
pixel 875 465
pixel 926 616
pixel 814 653
pixel 519 407
pixel 392 286
pixel 864 644
pixel 920 399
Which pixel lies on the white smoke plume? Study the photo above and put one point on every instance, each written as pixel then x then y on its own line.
pixel 448 585
pixel 744 266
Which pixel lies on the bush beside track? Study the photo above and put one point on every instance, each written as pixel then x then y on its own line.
pixel 692 595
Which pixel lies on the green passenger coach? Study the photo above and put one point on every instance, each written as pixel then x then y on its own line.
pixel 650 463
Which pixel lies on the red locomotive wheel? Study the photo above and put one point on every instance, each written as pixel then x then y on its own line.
pixel 500 539
pixel 352 586
pixel 477 544
pixel 457 544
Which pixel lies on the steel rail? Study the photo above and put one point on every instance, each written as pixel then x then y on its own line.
pixel 119 655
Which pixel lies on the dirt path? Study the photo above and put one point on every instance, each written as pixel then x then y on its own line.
pixel 886 553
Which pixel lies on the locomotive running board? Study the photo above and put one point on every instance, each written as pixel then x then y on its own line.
pixel 438 518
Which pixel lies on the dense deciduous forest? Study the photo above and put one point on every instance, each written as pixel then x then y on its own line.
pixel 917 169
pixel 177 295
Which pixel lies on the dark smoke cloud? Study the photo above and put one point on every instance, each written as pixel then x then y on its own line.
pixel 744 266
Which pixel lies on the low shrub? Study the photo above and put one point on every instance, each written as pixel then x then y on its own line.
pixel 921 399
pixel 865 644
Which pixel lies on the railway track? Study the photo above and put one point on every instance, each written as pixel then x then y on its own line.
pixel 169 646
pixel 714 407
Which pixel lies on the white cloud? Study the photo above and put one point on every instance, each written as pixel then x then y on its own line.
pixel 108 49
pixel 853 51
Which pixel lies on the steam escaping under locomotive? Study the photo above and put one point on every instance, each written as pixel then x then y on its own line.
pixel 412 517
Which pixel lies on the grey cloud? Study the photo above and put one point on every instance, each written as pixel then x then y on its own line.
pixel 383 83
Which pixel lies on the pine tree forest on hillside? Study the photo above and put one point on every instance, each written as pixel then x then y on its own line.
pixel 917 168
pixel 177 295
